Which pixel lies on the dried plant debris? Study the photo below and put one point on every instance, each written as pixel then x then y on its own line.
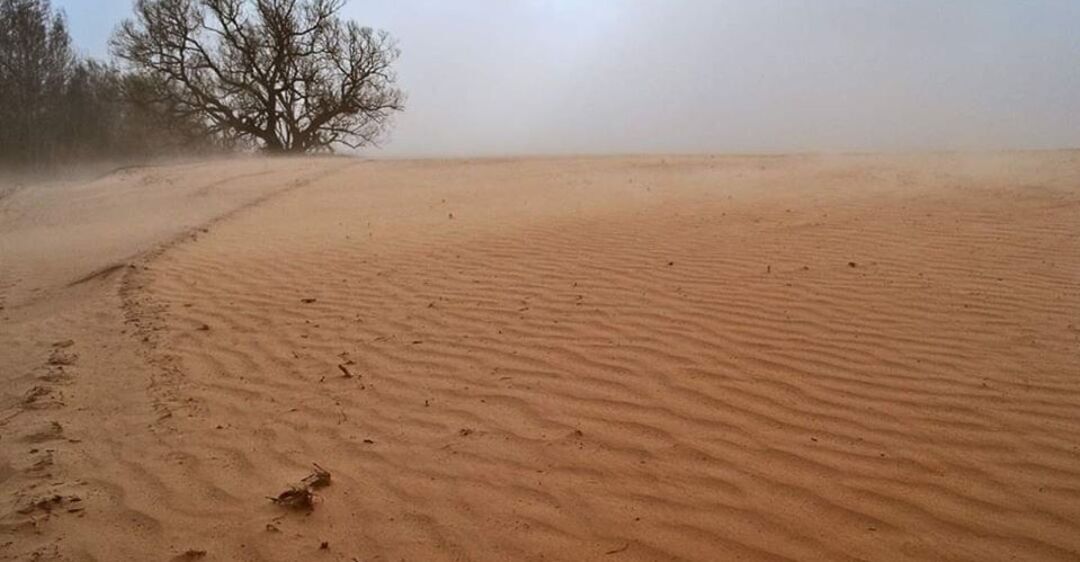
pixel 296 497
pixel 302 495
pixel 319 478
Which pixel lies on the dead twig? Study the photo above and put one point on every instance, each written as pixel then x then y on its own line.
pixel 319 478
pixel 302 495
pixel 296 497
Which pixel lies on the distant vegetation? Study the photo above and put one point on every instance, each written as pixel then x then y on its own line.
pixel 193 76
pixel 56 107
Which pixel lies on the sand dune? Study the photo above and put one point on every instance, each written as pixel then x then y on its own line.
pixel 649 358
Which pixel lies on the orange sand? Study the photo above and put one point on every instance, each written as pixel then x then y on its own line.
pixel 650 358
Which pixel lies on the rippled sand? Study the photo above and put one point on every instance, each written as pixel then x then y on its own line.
pixel 649 358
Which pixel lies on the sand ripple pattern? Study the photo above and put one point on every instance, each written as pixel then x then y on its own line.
pixel 628 359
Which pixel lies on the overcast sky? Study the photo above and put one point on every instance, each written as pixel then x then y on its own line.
pixel 602 76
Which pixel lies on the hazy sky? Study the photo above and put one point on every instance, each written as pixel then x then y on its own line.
pixel 561 76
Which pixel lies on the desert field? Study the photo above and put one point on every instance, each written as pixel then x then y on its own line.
pixel 805 357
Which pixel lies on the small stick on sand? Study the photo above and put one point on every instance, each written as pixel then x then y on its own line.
pixel 302 496
pixel 319 478
pixel 296 497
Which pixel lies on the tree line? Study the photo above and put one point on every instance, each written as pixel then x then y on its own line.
pixel 193 76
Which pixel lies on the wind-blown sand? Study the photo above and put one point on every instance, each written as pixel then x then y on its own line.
pixel 652 358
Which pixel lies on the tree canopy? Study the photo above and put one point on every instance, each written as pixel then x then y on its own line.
pixel 56 107
pixel 35 62
pixel 289 75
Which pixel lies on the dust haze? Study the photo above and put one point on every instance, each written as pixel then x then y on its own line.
pixel 783 286
pixel 560 76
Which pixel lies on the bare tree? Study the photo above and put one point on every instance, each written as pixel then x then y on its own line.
pixel 289 74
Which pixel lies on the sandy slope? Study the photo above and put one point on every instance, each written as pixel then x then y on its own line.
pixel 564 359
